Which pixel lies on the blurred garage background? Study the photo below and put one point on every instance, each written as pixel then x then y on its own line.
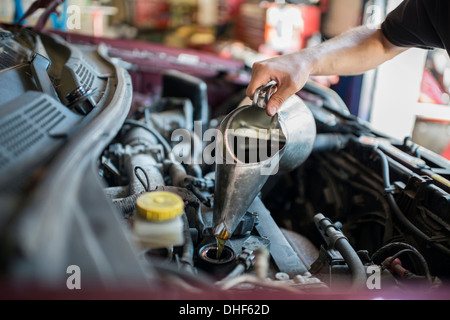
pixel 416 83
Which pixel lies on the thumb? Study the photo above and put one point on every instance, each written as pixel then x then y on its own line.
pixel 276 101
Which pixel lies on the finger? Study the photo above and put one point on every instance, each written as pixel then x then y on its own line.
pixel 276 101
pixel 259 78
pixel 254 84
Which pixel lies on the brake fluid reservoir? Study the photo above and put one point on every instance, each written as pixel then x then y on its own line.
pixel 158 222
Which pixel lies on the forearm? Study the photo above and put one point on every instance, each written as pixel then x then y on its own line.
pixel 353 52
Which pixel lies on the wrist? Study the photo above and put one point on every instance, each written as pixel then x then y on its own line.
pixel 310 61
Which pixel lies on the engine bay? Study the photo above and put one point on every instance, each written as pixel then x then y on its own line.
pixel 359 213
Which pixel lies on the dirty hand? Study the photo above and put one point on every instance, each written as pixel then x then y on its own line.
pixel 290 71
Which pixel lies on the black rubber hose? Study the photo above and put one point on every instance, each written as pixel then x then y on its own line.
pixel 330 142
pixel 375 192
pixel 391 246
pixel 391 200
pixel 354 263
pixel 331 99
pixel 396 209
pixel 336 239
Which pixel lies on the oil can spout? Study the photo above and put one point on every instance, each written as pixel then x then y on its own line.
pixel 250 155
pixel 221 231
pixel 253 146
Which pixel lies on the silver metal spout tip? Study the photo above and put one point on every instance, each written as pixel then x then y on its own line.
pixel 221 231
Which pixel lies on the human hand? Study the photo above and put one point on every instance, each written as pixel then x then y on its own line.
pixel 290 72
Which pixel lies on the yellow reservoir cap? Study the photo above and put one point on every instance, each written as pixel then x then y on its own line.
pixel 159 205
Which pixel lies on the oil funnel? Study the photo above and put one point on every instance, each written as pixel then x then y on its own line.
pixel 252 146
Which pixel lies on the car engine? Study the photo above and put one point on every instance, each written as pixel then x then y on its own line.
pixel 89 128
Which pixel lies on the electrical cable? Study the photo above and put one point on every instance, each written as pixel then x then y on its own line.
pixel 396 209
pixel 404 246
pixel 378 195
pixel 386 264
pixel 395 256
pixel 146 184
